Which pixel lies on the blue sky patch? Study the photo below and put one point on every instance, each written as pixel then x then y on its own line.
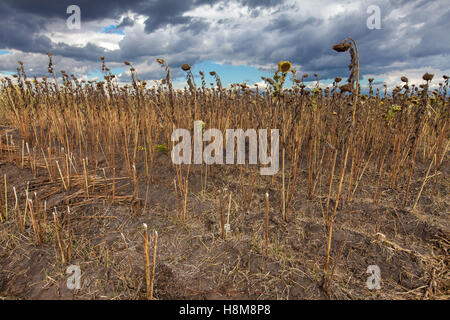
pixel 112 29
pixel 99 74
pixel 228 73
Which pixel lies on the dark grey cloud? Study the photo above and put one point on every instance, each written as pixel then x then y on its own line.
pixel 195 26
pixel 91 10
pixel 261 3
pixel 126 22
pixel 18 30
pixel 168 12
pixel 435 38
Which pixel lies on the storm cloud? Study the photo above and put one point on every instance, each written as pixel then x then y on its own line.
pixel 413 38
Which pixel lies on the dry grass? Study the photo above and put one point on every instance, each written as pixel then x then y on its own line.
pixel 364 180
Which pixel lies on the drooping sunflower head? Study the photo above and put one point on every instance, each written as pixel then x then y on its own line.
pixel 346 88
pixel 284 66
pixel 341 47
pixel 185 67
pixel 428 76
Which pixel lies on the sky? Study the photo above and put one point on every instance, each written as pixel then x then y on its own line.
pixel 241 40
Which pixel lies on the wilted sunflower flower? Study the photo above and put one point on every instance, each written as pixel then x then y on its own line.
pixel 284 66
pixel 185 67
pixel 341 47
pixel 428 76
pixel 346 88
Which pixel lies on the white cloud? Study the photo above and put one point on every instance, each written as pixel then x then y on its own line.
pixel 90 32
pixel 414 75
pixel 109 41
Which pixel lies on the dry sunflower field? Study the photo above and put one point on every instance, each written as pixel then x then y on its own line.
pixel 88 181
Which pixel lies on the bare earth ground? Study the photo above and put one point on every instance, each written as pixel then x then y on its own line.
pixel 194 262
